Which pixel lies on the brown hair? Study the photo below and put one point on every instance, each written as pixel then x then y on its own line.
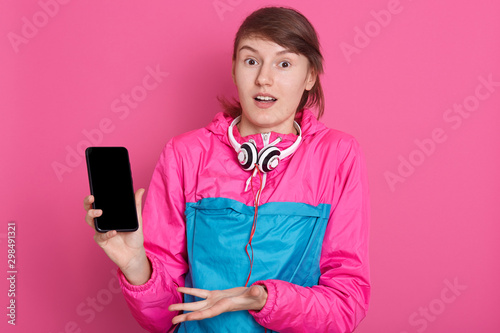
pixel 289 29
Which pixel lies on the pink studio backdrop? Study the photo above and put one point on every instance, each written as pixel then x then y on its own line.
pixel 416 82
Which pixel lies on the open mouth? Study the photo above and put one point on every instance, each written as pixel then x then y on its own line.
pixel 265 99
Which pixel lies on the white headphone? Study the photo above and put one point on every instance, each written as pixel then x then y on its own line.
pixel 268 158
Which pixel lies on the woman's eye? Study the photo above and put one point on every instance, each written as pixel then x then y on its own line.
pixel 251 62
pixel 285 64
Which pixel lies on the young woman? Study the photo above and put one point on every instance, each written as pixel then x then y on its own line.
pixel 258 222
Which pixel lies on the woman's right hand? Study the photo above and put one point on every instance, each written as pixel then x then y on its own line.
pixel 125 249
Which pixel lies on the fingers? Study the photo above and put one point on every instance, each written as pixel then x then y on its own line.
pixel 87 202
pixel 102 238
pixel 194 306
pixel 201 293
pixel 219 301
pixel 198 315
pixel 91 214
pixel 214 304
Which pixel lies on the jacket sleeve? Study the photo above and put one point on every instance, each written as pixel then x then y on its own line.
pixel 165 244
pixel 340 300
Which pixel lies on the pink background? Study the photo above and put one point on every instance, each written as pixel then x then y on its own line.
pixel 435 226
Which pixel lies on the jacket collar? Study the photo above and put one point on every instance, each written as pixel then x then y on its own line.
pixel 306 119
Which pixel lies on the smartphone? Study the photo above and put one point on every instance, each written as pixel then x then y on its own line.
pixel 110 179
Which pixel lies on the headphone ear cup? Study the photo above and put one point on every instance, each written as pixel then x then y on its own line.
pixel 247 156
pixel 269 159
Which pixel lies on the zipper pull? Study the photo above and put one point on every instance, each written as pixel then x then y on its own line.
pixel 265 138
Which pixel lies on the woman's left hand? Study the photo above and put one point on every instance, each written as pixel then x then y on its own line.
pixel 219 301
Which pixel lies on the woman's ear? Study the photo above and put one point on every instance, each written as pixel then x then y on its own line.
pixel 311 79
pixel 232 72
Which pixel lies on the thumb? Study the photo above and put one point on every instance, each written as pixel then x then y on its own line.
pixel 138 205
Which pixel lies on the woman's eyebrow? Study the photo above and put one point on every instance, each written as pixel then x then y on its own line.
pixel 246 47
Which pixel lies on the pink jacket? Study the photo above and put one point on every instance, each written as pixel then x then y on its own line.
pixel 310 246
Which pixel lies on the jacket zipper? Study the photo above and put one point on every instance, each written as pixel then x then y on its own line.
pixel 265 138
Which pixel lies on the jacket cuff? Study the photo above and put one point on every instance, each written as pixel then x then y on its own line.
pixel 270 303
pixel 143 287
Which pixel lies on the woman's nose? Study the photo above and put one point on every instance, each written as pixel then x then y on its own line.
pixel 264 76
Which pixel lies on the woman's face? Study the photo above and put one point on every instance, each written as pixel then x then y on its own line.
pixel 270 80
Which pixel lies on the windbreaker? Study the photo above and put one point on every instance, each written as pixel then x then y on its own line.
pixel 310 245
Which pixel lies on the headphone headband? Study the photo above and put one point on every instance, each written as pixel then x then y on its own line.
pixel 285 153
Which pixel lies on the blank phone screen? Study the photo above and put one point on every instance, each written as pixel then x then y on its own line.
pixel 111 185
